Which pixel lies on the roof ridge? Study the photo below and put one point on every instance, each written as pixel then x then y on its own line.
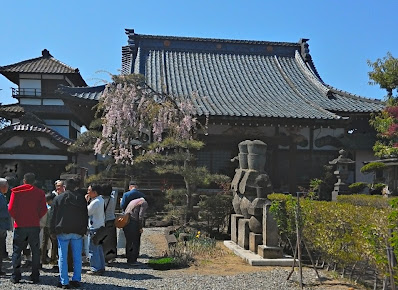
pixel 310 74
pixel 76 70
pixel 335 116
pixel 353 96
pixel 130 32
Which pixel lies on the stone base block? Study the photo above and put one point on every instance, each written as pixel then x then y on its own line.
pixel 234 226
pixel 269 252
pixel 256 260
pixel 254 241
pixel 243 233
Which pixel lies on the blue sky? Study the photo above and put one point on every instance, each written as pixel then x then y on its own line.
pixel 89 34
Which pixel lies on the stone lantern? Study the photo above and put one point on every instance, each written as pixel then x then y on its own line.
pixel 342 162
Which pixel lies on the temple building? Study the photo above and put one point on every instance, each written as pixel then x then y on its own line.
pixel 43 122
pixel 241 89
pixel 263 90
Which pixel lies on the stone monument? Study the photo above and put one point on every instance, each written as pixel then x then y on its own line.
pixel 252 226
pixel 341 162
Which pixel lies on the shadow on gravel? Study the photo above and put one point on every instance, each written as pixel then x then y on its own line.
pixel 137 265
pixel 86 285
pixel 120 275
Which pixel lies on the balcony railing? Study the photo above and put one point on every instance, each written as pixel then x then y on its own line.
pixel 16 92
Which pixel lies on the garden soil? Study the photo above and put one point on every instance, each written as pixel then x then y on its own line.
pixel 227 263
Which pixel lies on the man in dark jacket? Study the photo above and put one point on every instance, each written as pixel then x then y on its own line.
pixel 69 223
pixel 27 206
pixel 132 231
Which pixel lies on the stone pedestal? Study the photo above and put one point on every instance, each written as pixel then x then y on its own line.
pixel 270 228
pixel 254 241
pixel 270 252
pixel 243 233
pixel 234 226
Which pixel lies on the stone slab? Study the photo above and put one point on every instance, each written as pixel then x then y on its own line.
pixel 255 260
pixel 243 233
pixel 234 226
pixel 269 252
pixel 254 241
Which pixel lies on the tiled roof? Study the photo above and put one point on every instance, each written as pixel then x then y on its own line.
pixel 240 78
pixel 44 64
pixel 12 108
pixel 83 93
pixel 26 126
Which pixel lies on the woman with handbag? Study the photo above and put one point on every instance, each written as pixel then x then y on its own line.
pixel 96 225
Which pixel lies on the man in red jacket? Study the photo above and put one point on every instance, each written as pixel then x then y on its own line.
pixel 27 206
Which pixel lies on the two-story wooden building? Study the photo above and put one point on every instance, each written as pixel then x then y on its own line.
pixel 43 122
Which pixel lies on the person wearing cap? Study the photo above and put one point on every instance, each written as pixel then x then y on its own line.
pixel 133 202
pixel 5 221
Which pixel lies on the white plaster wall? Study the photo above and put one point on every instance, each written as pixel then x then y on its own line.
pixel 48 102
pixel 322 132
pixel 47 143
pixel 12 142
pixel 303 132
pixel 28 101
pixel 25 86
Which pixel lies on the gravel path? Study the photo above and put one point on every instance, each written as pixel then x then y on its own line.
pixel 122 276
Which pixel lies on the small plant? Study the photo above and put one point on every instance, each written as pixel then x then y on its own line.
pixel 165 263
pixel 195 244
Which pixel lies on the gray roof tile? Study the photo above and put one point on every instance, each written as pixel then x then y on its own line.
pixel 240 78
pixel 82 93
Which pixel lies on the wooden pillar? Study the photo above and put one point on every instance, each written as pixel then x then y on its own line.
pixel 292 167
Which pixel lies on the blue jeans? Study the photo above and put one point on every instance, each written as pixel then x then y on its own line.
pixel 23 237
pixel 76 242
pixel 97 259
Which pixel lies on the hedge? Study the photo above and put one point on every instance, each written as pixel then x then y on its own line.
pixel 354 229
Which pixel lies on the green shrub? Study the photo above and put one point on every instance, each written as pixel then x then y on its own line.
pixel 372 166
pixel 214 210
pixel 375 201
pixel 357 187
pixel 354 229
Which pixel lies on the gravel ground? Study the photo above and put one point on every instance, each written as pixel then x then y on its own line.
pixel 122 276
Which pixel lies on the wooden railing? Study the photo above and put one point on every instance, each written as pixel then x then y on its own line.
pixel 26 92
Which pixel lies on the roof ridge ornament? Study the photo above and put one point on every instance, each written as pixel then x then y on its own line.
pixel 305 51
pixel 46 53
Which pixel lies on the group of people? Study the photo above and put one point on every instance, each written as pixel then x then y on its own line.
pixel 76 222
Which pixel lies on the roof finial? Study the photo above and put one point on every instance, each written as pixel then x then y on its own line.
pixel 45 53
pixel 305 51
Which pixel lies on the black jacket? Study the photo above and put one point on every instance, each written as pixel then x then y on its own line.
pixel 69 213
